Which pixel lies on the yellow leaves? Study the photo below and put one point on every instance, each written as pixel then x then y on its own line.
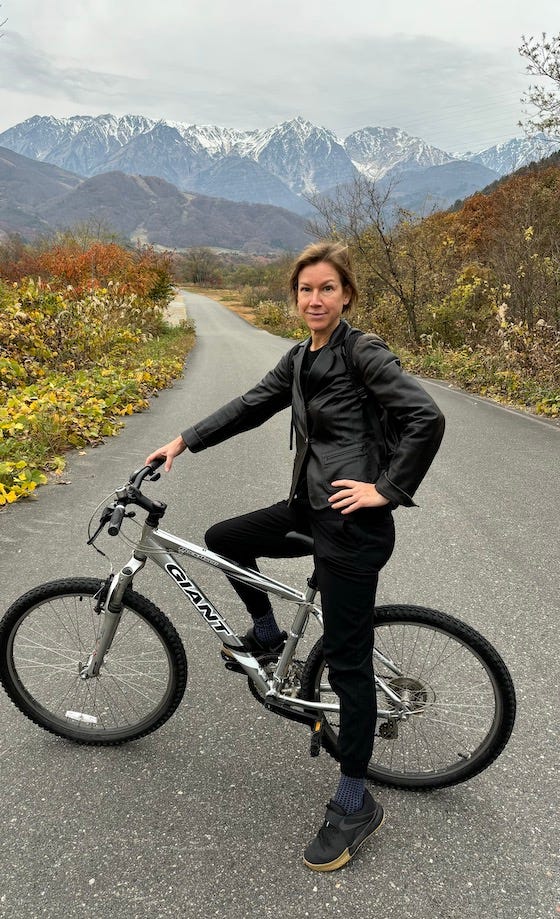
pixel 7 496
pixel 18 480
pixel 73 370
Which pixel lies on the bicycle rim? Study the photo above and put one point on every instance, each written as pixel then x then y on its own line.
pixel 47 639
pixel 459 690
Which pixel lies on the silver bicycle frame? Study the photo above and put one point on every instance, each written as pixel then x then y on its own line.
pixel 159 546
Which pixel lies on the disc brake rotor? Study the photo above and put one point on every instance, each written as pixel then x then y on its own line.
pixel 415 693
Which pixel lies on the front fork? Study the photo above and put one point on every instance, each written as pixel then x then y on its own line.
pixel 110 611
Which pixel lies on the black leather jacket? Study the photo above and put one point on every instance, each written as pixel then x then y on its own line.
pixel 335 433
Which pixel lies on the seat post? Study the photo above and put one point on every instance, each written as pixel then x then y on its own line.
pixel 312 587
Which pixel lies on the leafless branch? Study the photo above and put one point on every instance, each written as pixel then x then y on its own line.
pixel 543 102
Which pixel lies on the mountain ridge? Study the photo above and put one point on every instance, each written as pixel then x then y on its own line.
pixel 283 167
pixel 36 198
pixel 305 158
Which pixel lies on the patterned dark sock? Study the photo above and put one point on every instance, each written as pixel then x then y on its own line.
pixel 266 629
pixel 350 793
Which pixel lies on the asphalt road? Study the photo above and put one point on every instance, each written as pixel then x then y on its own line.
pixel 208 816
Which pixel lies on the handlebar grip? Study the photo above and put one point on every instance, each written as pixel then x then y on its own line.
pixel 116 520
pixel 139 475
pixel 156 463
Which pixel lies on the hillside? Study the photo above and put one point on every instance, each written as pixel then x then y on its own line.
pixel 26 185
pixel 534 167
pixel 36 197
pixel 416 190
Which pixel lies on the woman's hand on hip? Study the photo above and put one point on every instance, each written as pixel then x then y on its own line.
pixel 169 451
pixel 355 495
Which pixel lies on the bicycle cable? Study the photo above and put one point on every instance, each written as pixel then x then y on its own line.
pixel 105 503
pixel 91 538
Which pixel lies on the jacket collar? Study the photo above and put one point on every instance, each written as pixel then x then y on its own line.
pixel 324 362
pixel 339 334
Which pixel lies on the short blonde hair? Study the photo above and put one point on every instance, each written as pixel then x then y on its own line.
pixel 337 255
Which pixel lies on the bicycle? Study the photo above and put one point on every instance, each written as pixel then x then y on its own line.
pixel 97 663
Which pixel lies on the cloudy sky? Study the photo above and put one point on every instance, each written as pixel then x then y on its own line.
pixel 447 72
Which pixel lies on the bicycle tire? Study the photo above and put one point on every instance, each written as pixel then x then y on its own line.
pixel 46 638
pixel 443 663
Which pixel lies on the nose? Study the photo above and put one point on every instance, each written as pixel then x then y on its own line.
pixel 315 297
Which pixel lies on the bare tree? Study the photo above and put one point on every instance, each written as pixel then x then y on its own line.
pixel 363 216
pixel 543 60
pixel 201 265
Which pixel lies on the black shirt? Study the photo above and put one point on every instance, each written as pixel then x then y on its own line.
pixel 309 359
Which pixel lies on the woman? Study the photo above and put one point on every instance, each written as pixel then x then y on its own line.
pixel 344 488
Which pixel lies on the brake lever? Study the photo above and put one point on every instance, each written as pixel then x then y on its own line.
pixel 103 520
pixel 106 515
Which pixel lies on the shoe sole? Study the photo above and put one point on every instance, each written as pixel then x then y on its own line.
pixel 345 856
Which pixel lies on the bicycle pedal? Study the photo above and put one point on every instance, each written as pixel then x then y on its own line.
pixel 232 665
pixel 316 736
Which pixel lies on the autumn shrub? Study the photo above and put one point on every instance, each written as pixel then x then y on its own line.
pixel 281 318
pixel 515 365
pixel 71 370
pixel 42 328
pixel 465 315
pixel 251 296
pixel 78 266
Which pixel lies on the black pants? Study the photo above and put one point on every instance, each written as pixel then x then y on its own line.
pixel 349 551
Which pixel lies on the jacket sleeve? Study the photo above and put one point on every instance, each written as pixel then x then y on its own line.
pixel 271 395
pixel 417 418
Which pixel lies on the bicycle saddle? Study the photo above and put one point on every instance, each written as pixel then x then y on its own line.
pixel 300 541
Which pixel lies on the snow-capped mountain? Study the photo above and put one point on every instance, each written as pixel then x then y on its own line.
pixel 307 158
pixel 242 179
pixel 284 165
pixel 515 153
pixel 79 143
pixel 377 151
pixel 161 151
pixel 216 141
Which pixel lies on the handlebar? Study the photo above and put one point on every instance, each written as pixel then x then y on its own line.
pixel 116 520
pixel 131 494
pixel 138 477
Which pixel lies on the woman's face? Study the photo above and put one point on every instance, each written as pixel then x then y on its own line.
pixel 321 298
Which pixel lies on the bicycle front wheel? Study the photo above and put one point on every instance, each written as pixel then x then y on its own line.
pixel 458 689
pixel 46 639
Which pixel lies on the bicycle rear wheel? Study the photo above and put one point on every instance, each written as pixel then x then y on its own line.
pixel 46 638
pixel 459 688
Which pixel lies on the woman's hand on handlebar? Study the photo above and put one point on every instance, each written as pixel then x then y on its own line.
pixel 168 452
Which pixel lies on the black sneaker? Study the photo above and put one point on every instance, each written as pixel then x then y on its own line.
pixel 342 834
pixel 257 647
